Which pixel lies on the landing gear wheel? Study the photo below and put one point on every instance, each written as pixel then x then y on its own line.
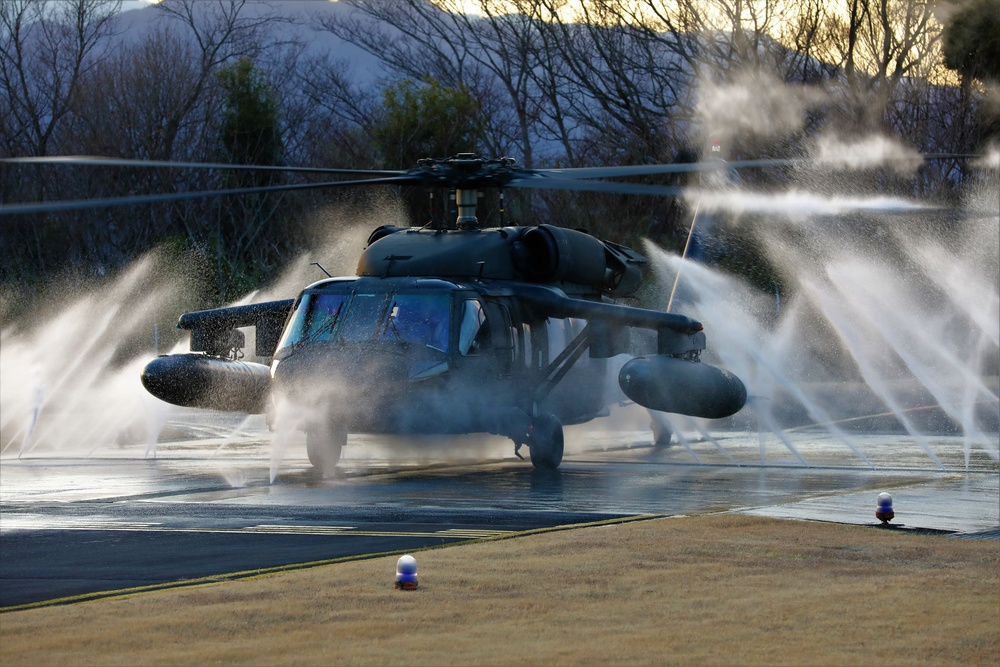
pixel 324 444
pixel 545 442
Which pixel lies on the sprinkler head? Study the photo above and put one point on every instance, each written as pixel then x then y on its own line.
pixel 406 573
pixel 883 510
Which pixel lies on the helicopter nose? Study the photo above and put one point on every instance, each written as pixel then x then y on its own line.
pixel 341 379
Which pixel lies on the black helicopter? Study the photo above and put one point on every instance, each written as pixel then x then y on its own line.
pixel 455 330
pixel 452 329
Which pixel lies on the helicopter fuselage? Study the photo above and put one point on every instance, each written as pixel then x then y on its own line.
pixel 429 355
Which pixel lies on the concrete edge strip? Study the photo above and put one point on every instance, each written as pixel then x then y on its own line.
pixel 123 593
pixel 835 493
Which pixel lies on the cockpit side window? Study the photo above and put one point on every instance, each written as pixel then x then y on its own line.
pixel 293 329
pixel 474 331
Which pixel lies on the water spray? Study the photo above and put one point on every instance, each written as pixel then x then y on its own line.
pixel 903 323
pixel 38 400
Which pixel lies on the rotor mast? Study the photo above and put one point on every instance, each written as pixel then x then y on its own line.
pixel 467 199
pixel 467 173
pixel 467 165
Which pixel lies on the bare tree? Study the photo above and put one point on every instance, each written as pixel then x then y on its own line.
pixel 46 48
pixel 222 31
pixel 335 114
pixel 882 43
pixel 133 104
pixel 622 83
pixel 809 39
pixel 157 96
pixel 485 54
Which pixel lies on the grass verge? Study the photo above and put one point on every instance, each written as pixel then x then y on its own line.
pixel 719 589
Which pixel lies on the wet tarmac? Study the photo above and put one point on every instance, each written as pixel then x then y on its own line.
pixel 78 525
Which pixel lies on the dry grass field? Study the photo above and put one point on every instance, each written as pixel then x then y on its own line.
pixel 705 590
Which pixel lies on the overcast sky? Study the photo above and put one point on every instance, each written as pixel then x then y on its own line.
pixel 138 4
pixel 134 4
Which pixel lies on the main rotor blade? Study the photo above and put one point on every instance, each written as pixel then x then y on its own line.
pixel 635 170
pixel 798 204
pixel 672 168
pixel 543 183
pixel 713 165
pixel 98 161
pixel 81 204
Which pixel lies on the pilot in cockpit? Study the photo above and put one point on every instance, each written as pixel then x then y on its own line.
pixel 419 320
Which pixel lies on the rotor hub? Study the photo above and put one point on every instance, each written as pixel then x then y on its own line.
pixel 466 171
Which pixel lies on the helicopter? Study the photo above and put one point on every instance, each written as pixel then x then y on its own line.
pixel 449 328
pixel 456 329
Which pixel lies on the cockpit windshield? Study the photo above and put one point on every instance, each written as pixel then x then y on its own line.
pixel 418 319
pixel 414 319
pixel 314 319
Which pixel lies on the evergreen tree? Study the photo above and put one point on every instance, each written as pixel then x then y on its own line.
pixel 250 132
pixel 972 40
pixel 971 47
pixel 426 120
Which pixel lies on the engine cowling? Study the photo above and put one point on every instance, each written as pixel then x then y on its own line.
pixel 542 254
pixel 550 254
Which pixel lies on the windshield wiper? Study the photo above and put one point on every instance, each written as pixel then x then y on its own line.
pixel 390 321
pixel 326 326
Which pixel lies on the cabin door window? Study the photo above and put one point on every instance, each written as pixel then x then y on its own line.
pixel 474 331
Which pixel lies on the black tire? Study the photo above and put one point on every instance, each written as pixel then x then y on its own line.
pixel 545 442
pixel 324 445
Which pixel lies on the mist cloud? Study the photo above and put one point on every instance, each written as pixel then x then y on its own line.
pixel 755 104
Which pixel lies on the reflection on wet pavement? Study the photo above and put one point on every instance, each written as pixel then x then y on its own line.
pixel 611 473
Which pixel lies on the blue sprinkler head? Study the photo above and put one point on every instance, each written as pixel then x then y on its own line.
pixel 406 573
pixel 883 510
